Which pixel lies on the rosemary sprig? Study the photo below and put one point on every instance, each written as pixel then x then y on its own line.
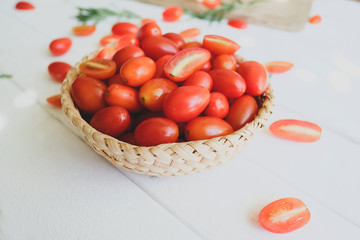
pixel 218 14
pixel 99 14
pixel 5 76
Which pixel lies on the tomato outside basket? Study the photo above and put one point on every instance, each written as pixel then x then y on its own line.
pixel 172 159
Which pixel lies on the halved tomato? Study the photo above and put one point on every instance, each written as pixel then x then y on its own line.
pixel 84 30
pixel 296 130
pixel 237 23
pixel 55 100
pixel 284 215
pixel 278 66
pixel 219 45
pixel 98 68
pixel 185 63
pixel 190 33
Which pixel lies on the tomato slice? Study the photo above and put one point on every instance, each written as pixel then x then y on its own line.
pixel 278 66
pixel 219 45
pixel 58 70
pixel 190 33
pixel 237 23
pixel 172 14
pixel 185 63
pixel 84 30
pixel 98 68
pixel 24 6
pixel 284 215
pixel 315 19
pixel 55 100
pixel 296 130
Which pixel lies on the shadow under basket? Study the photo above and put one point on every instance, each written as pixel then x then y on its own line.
pixel 172 159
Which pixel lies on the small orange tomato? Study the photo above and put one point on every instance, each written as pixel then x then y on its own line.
pixel 84 30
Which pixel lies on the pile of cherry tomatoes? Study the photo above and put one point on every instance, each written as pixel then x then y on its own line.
pixel 161 89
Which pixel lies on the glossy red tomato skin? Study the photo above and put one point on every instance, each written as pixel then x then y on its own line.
pixel 23 5
pixel 228 82
pixel 176 38
pixel 224 61
pixel 185 103
pixel 147 30
pixel 155 131
pixel 60 46
pixel 152 93
pixel 124 96
pixel 270 217
pixel 106 53
pixel 160 63
pixel 193 44
pixel 199 78
pixel 126 53
pixel 113 120
pixel 127 40
pixel 255 76
pixel 242 111
pixel 58 70
pixel 219 45
pixel 137 71
pixel 172 14
pixel 98 68
pixel 190 60
pixel 237 23
pixel 158 46
pixel 122 28
pixel 206 127
pixel 127 137
pixel 89 94
pixel 206 67
pixel 218 105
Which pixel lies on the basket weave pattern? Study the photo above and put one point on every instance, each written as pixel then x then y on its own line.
pixel 173 159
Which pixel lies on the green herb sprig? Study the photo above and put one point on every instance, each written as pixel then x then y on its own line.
pixel 5 76
pixel 99 14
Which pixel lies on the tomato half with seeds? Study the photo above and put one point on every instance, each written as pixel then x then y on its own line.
pixel 228 82
pixel 152 93
pixel 201 128
pixel 176 38
pixel 278 66
pixel 242 111
pixel 284 215
pixel 124 96
pixel 147 30
pixel 113 120
pixel 126 53
pixel 190 33
pixel 255 76
pixel 84 30
pixel 60 46
pixel 218 105
pixel 55 100
pixel 155 131
pixel 219 45
pixel 123 28
pixel 98 68
pixel 58 70
pixel 137 71
pixel 158 46
pixel 185 63
pixel 296 130
pixel 199 78
pixel 185 103
pixel 89 94
pixel 172 14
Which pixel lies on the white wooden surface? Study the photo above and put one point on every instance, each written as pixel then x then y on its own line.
pixel 53 186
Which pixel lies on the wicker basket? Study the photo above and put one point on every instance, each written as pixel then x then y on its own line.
pixel 172 159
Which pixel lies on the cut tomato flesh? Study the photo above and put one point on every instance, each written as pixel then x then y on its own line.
pixel 296 130
pixel 278 66
pixel 219 45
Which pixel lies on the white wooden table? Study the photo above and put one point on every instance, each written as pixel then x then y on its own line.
pixel 53 186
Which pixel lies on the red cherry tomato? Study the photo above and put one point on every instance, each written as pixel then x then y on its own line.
pixel 123 96
pixel 185 63
pixel 144 115
pixel 199 78
pixel 190 33
pixel 172 14
pixel 192 44
pixel 137 71
pixel 160 63
pixel 219 45
pixel 201 128
pixel 211 3
pixel 22 5
pixel 224 61
pixel 124 28
pixel 110 40
pixel 126 53
pixel 116 79
pixel 113 120
pixel 128 137
pixel 157 46
pixel 106 53
pixel 126 40
pixel 152 93
pixel 185 103
pixel 60 46
pixel 278 66
pixel 242 111
pixel 176 38
pixel 228 82
pixel 155 131
pixel 296 130
pixel 206 67
pixel 255 76
pixel 55 100
pixel 84 30
pixel 58 70
pixel 237 23
pixel 218 105
pixel 98 68
pixel 89 94
pixel 284 215
pixel 147 30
